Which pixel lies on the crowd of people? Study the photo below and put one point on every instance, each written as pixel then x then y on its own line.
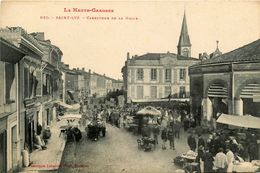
pixel 216 151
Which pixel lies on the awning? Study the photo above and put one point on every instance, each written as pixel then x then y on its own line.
pixel 149 110
pixel 71 116
pixel 159 100
pixel 240 121
pixel 74 106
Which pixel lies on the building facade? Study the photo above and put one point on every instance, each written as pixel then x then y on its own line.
pixel 159 75
pixel 9 106
pixel 227 83
pixel 37 88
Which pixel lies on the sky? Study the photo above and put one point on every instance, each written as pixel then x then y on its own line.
pixel 102 45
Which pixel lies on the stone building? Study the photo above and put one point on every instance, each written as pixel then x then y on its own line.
pixel 227 83
pixel 51 78
pixel 10 153
pixel 98 84
pixel 37 83
pixel 159 75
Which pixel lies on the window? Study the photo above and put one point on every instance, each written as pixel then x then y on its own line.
pixel 153 74
pixel 167 91
pixel 185 52
pixel 168 75
pixel 183 74
pixel 10 83
pixel 26 82
pixel 153 91
pixel 140 92
pixel 2 83
pixel 140 74
pixel 182 92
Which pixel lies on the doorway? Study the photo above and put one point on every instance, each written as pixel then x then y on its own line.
pixel 3 157
pixel 14 146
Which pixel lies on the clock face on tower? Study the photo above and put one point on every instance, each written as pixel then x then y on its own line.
pixel 185 52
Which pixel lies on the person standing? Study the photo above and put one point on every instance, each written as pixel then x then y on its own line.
pixel 199 157
pixel 171 137
pixel 208 160
pixel 192 142
pixel 201 141
pixel 164 138
pixel 177 128
pixel 221 161
pixel 230 160
pixel 156 132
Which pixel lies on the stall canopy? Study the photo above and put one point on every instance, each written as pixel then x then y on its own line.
pixel 71 116
pixel 149 110
pixel 241 121
pixel 73 107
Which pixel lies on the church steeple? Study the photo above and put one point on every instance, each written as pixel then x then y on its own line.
pixel 184 45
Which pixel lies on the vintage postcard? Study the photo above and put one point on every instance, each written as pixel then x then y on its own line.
pixel 129 86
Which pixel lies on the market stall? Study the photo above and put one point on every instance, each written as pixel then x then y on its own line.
pixel 246 126
pixel 147 117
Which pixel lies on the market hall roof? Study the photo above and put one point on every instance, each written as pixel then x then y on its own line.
pixel 249 52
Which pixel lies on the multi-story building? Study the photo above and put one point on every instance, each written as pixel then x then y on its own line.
pixel 98 84
pixel 37 83
pixel 29 91
pixel 83 82
pixel 158 75
pixel 228 83
pixel 70 84
pixel 10 153
pixel 50 75
pixel 117 85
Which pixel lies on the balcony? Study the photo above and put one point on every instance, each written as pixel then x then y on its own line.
pixel 8 108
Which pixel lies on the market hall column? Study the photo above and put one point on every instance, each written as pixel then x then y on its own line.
pixel 238 105
pixel 207 108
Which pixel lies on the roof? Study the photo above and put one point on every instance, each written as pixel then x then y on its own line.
pixel 158 56
pixel 249 52
pixel 240 121
pixel 9 52
pixel 184 39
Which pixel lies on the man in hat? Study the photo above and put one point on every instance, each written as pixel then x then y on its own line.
pixel 192 142
pixel 208 161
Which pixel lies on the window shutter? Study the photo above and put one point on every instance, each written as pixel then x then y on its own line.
pixel 39 83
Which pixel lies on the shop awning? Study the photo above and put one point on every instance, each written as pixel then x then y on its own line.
pixel 74 106
pixel 71 116
pixel 240 121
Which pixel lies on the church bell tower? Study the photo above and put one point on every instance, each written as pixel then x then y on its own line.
pixel 184 45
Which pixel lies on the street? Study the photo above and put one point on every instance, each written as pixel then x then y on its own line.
pixel 118 152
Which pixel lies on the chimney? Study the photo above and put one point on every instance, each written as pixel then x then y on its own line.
pixel 200 55
pixel 128 55
pixel 77 68
pixel 83 68
pixel 89 71
pixel 39 35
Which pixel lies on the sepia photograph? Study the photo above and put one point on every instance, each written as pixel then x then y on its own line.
pixel 127 86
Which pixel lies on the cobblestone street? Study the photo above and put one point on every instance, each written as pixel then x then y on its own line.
pixel 118 152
